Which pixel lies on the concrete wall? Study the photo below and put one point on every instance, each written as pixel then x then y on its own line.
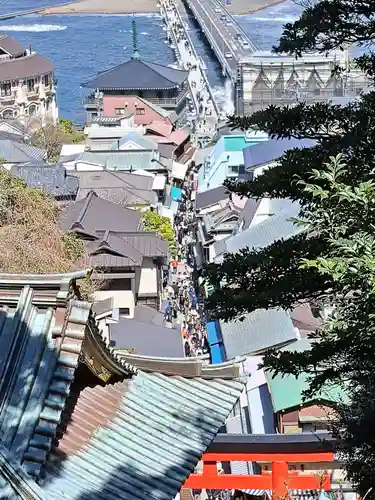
pixel 148 282
pixel 110 103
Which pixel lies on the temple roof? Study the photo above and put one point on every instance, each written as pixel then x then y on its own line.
pixel 138 74
pixel 78 418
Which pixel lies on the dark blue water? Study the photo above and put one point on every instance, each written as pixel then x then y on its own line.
pixel 81 45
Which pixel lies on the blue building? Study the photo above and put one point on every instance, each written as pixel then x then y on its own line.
pixel 225 160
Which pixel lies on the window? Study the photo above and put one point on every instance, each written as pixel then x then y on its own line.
pixel 8 113
pixel 32 110
pixel 124 311
pixel 6 89
pixel 140 111
pixel 119 111
pixel 241 169
pixel 31 85
pixel 46 80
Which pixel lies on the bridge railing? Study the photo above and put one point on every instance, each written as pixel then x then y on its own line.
pixel 253 46
pixel 203 72
pixel 218 51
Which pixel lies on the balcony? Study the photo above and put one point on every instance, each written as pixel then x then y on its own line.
pixel 92 102
pixel 167 101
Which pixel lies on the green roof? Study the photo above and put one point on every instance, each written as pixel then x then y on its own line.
pixel 286 391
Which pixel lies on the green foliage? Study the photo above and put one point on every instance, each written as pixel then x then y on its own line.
pixel 332 260
pixel 30 239
pixel 51 138
pixel 152 221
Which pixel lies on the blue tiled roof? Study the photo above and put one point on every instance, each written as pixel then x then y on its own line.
pixel 151 444
pixel 135 439
pixel 37 365
pixel 271 150
pixel 138 74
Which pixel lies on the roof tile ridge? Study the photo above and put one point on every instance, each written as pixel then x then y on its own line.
pixel 86 206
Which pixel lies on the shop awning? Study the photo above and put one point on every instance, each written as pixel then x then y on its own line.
pixel 179 170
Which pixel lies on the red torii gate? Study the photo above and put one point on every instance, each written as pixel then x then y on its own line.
pixel 277 449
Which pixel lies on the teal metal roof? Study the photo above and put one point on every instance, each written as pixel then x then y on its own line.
pixel 123 160
pixel 151 443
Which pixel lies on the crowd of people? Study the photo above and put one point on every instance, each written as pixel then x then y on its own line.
pixel 181 303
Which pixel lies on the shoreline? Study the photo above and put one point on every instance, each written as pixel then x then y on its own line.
pixel 238 7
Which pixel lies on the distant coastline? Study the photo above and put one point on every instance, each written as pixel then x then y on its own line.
pixel 145 7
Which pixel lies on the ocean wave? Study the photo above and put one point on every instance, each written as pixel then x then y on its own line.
pixel 33 27
pixel 138 14
pixel 143 33
pixel 274 19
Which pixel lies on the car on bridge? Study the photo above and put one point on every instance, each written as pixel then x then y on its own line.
pixel 228 55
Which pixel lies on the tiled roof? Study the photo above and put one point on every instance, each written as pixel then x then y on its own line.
pixel 38 356
pixel 93 214
pixel 147 242
pixel 137 74
pixel 139 437
pixel 12 46
pixel 211 197
pixel 119 249
pixel 17 152
pixel 52 179
pixel 22 67
pixel 146 339
pixel 271 150
pixel 144 439
pixel 123 188
pixel 259 331
pixel 111 251
pixel 124 160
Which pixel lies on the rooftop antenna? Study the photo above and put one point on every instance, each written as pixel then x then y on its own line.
pixel 135 54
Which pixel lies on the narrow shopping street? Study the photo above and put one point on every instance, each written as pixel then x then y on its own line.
pixel 181 304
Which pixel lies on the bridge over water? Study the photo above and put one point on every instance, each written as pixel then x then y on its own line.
pixel 260 78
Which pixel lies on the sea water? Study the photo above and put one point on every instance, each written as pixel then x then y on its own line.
pixel 82 45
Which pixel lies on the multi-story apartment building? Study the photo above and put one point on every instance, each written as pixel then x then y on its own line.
pixel 27 89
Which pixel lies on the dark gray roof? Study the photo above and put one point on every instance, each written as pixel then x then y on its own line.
pixel 52 179
pixel 146 338
pixel 146 242
pixel 211 197
pixel 111 251
pixel 18 152
pixel 22 67
pixel 166 150
pixel 10 45
pixel 146 314
pixel 118 187
pixel 271 150
pixel 116 249
pixel 137 74
pixel 248 213
pixel 93 214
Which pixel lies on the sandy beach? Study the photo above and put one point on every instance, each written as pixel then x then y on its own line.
pixel 145 6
